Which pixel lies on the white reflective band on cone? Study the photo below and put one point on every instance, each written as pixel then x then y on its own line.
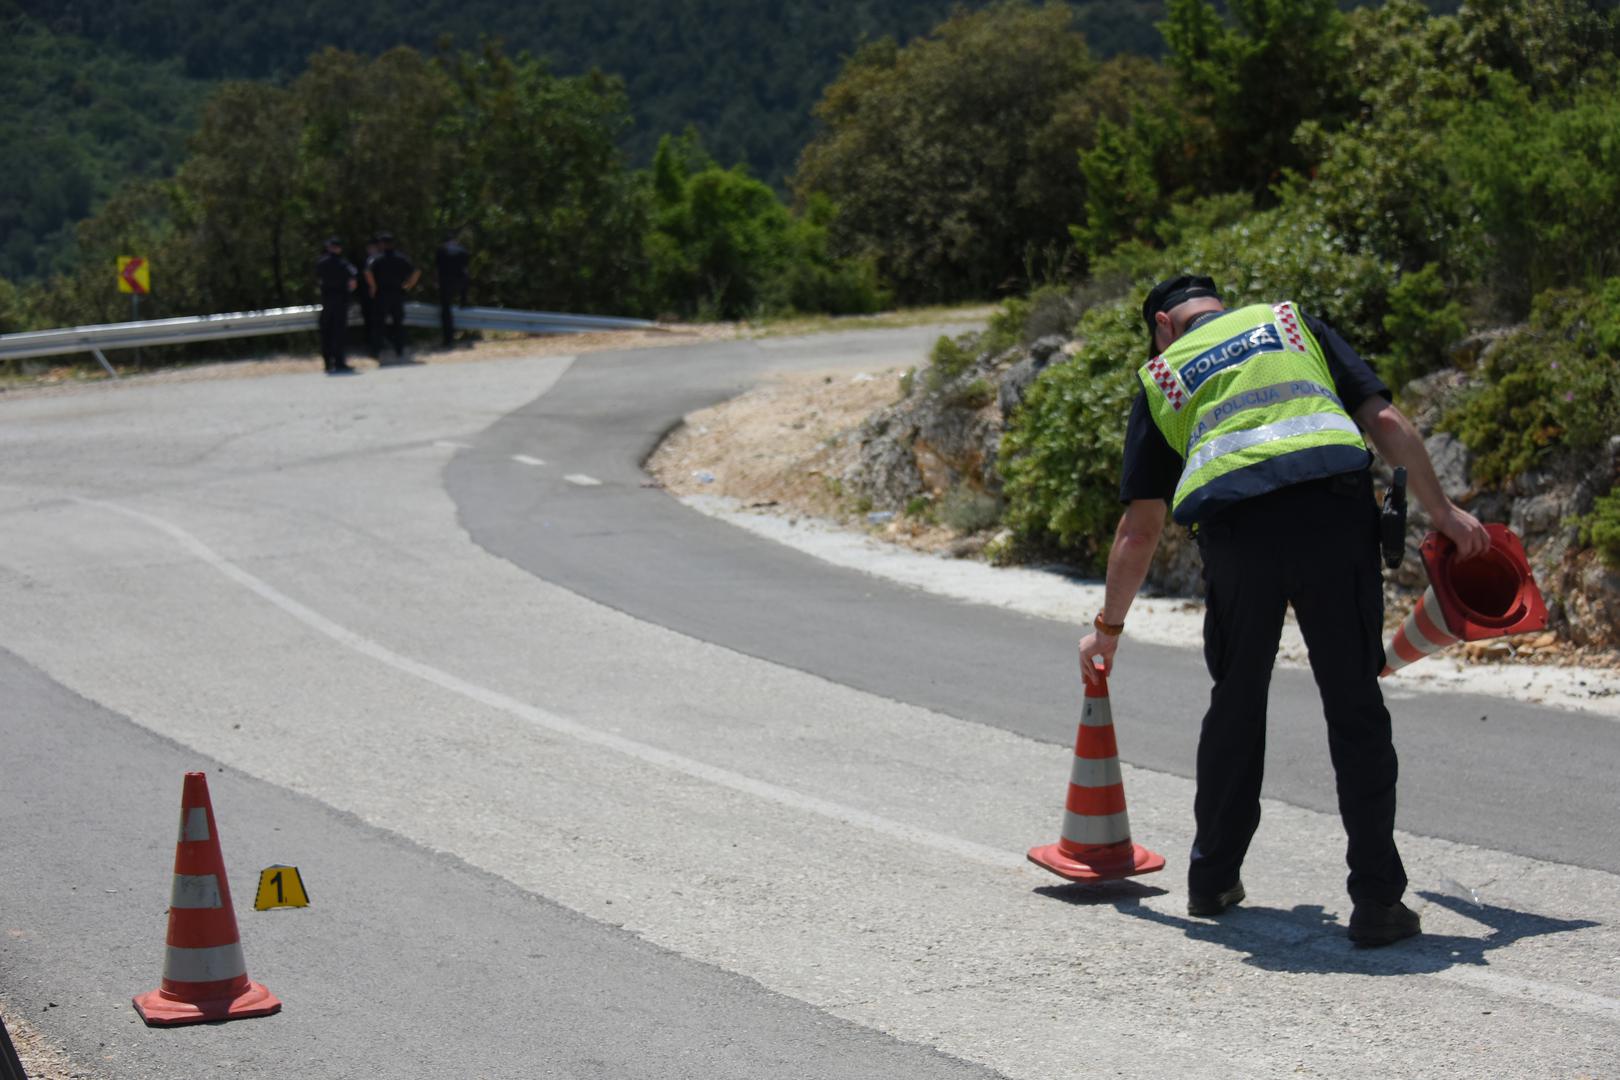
pixel 1096 828
pixel 1095 772
pixel 195 891
pixel 204 965
pixel 1097 713
pixel 193 824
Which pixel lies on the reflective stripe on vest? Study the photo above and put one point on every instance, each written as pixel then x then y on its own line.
pixel 1234 441
pixel 1246 398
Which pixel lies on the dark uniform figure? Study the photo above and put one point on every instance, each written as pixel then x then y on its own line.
pixel 450 265
pixel 368 305
pixel 1269 466
pixel 389 275
pixel 336 276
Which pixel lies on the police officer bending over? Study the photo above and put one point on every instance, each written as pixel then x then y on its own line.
pixel 1249 426
pixel 336 276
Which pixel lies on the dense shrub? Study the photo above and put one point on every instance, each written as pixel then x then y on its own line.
pixel 968 510
pixel 1601 528
pixel 1059 460
pixel 1423 319
pixel 1543 176
pixel 1555 383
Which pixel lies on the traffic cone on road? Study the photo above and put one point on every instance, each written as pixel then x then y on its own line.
pixel 1095 844
pixel 1491 595
pixel 204 974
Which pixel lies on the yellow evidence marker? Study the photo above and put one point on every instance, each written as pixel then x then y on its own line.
pixel 280 886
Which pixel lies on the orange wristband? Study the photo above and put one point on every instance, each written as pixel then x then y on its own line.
pixel 1111 629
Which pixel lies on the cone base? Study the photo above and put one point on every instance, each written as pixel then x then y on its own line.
pixel 1106 862
pixel 160 1010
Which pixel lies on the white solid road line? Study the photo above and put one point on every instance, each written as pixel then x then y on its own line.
pixel 582 480
pixel 652 755
pixel 525 459
pixel 451 444
pixel 1550 994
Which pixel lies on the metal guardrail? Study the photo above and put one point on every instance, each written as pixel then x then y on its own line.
pixel 239 324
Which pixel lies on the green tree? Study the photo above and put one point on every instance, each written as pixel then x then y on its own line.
pixel 1278 63
pixel 541 187
pixel 718 234
pixel 238 198
pixel 1544 180
pixel 722 244
pixel 951 160
pixel 371 153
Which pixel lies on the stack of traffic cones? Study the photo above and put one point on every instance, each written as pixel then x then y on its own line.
pixel 1490 595
pixel 1095 844
pixel 204 974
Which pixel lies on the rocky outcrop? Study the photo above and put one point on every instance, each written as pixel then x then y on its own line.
pixel 945 433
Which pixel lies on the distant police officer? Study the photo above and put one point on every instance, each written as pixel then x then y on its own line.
pixel 388 277
pixel 1249 424
pixel 336 276
pixel 368 305
pixel 450 266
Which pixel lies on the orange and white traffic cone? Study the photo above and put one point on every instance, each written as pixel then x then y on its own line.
pixel 204 974
pixel 1424 633
pixel 1491 595
pixel 1095 844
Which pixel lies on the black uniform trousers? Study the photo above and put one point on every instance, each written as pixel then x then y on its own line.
pixel 452 292
pixel 1315 546
pixel 334 329
pixel 368 316
pixel 391 320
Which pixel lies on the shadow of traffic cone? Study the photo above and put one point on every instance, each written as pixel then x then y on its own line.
pixel 204 974
pixel 1095 844
pixel 1491 595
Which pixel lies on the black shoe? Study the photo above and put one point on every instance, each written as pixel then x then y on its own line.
pixel 1373 924
pixel 1205 906
pixel 342 369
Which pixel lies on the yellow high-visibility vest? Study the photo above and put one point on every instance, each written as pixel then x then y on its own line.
pixel 1247 400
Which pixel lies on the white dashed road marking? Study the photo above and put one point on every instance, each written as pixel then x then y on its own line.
pixel 525 459
pixel 582 480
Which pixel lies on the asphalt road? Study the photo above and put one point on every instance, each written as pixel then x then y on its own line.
pixel 1476 769
pixel 551 829
pixel 409 962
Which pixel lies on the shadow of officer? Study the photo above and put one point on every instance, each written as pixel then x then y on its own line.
pixel 1306 938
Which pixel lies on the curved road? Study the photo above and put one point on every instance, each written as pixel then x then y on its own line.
pixel 1467 760
pixel 584 784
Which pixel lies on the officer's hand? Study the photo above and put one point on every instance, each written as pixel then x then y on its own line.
pixel 1464 530
pixel 1097 646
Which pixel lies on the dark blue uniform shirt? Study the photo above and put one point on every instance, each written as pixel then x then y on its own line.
pixel 391 269
pixel 1152 469
pixel 334 273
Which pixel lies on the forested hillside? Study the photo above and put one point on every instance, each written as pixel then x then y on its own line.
pixel 97 93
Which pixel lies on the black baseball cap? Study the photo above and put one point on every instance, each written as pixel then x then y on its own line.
pixel 1175 291
pixel 1171 293
pixel 334 241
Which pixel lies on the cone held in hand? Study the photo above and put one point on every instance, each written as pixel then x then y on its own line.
pixel 204 973
pixel 1096 844
pixel 1491 595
